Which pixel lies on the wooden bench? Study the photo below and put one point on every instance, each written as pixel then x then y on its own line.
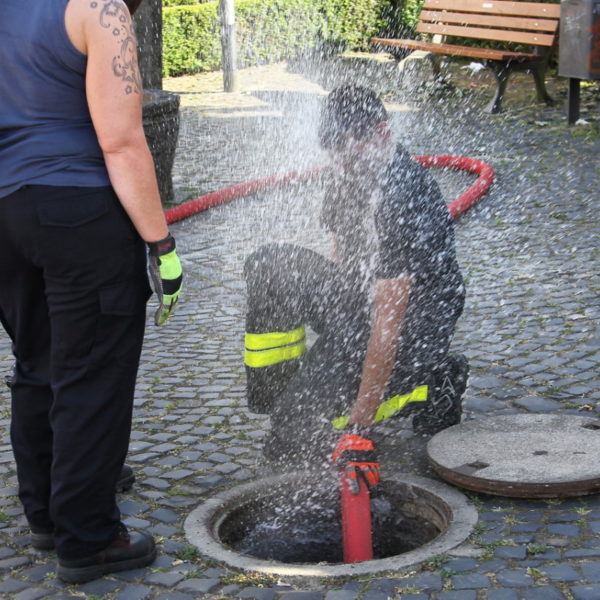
pixel 530 26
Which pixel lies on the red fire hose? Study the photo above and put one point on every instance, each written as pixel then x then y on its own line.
pixel 457 207
pixel 481 185
pixel 356 508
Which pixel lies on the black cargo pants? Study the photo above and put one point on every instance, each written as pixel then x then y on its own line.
pixel 290 287
pixel 73 289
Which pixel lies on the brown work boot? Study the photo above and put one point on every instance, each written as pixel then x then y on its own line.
pixel 126 552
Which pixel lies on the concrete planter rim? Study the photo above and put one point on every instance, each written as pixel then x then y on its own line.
pixel 201 525
pixel 154 99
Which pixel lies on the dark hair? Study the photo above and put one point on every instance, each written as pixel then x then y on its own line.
pixel 133 5
pixel 349 111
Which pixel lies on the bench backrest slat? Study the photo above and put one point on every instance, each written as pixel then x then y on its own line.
pixel 500 7
pixel 458 18
pixel 480 33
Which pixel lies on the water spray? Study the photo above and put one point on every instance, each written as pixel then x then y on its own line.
pixel 355 504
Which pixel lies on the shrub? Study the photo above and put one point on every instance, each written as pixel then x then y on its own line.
pixel 191 39
pixel 267 30
pixel 183 2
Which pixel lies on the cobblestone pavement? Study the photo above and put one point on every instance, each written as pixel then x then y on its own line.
pixel 529 251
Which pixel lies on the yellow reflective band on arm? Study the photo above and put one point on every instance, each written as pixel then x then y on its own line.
pixel 273 339
pixel 394 405
pixel 264 358
pixel 388 408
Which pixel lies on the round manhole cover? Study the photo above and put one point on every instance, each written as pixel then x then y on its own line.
pixel 527 456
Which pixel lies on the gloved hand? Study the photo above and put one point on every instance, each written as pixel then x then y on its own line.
pixel 355 453
pixel 166 274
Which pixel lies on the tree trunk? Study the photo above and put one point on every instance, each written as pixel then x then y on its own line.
pixel 148 28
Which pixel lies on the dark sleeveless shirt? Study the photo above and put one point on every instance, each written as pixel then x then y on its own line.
pixel 46 132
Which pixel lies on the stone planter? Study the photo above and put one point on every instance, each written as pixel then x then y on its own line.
pixel 161 126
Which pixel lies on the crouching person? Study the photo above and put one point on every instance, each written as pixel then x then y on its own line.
pixel 384 306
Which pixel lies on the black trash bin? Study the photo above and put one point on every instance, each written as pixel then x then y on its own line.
pixel 579 48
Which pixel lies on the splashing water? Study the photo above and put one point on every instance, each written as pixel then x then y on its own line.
pixel 303 527
pixel 509 246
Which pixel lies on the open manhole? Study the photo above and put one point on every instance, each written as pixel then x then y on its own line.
pixel 289 525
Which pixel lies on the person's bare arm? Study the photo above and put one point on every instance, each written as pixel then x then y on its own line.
pixel 389 307
pixel 103 31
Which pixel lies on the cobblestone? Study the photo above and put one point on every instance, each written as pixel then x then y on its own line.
pixel 199 586
pixel 585 592
pixel 514 578
pixel 341 595
pixel 502 594
pixel 545 592
pixel 31 594
pixel 134 592
pixel 458 595
pixel 529 252
pixel 257 594
pixel 561 573
pixel 99 587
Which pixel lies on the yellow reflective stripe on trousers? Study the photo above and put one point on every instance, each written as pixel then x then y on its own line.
pixel 273 339
pixel 390 407
pixel 264 358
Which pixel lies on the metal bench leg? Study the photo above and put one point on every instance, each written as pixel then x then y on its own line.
pixel 573 101
pixel 501 74
pixel 435 61
pixel 540 85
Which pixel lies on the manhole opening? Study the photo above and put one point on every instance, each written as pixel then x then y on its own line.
pixel 295 517
pixel 293 525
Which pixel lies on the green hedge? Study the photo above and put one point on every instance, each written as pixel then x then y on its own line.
pixel 272 30
pixel 267 30
pixel 183 2
pixel 191 39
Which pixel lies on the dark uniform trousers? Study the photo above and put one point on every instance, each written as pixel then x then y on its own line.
pixel 290 286
pixel 73 290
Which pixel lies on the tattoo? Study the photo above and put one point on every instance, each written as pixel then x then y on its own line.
pixel 114 15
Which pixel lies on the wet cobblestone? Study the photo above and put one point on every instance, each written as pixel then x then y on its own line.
pixel 529 251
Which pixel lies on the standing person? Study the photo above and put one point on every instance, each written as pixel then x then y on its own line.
pixel 79 202
pixel 384 308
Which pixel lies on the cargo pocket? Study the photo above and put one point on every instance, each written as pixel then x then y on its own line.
pixel 124 298
pixel 72 207
pixel 120 328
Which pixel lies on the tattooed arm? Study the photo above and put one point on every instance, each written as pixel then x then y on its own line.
pixel 102 30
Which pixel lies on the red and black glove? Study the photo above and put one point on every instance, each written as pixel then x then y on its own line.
pixel 355 454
